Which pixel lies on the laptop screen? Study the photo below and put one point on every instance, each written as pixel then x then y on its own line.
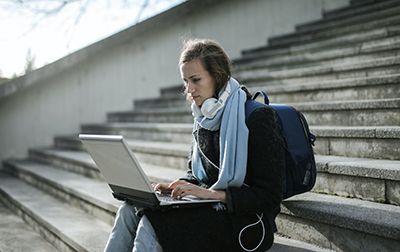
pixel 116 161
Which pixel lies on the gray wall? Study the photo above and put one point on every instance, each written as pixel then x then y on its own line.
pixel 135 63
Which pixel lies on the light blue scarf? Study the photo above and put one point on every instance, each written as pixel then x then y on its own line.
pixel 233 140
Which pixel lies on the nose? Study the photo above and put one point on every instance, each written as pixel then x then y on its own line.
pixel 190 87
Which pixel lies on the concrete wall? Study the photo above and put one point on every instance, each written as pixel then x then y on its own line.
pixel 108 75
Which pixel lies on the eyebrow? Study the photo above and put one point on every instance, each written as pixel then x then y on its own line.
pixel 193 76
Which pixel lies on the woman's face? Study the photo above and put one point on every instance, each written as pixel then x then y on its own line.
pixel 200 85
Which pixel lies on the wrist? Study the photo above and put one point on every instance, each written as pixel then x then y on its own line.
pixel 219 195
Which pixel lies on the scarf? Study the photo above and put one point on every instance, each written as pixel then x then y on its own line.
pixel 233 140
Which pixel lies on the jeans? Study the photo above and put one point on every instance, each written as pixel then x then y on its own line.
pixel 131 233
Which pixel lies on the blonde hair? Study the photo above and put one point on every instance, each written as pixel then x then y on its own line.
pixel 213 58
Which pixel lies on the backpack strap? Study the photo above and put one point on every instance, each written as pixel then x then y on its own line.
pixel 250 106
pixel 272 223
pixel 266 100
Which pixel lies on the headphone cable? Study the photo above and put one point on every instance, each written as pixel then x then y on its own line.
pixel 248 226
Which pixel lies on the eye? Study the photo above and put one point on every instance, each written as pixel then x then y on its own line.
pixel 196 80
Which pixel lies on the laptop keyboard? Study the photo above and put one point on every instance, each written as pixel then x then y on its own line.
pixel 168 198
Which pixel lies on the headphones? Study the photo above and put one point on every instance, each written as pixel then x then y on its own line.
pixel 211 106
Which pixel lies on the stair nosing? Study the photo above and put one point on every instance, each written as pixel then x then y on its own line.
pixel 374 7
pixel 367 132
pixel 309 206
pixel 314 71
pixel 51 221
pixel 336 26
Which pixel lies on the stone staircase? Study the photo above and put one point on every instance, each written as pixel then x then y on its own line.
pixel 341 71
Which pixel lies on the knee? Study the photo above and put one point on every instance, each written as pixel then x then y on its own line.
pixel 127 213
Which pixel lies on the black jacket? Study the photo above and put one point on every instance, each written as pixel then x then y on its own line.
pixel 204 228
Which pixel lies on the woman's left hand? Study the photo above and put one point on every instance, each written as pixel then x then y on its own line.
pixel 182 190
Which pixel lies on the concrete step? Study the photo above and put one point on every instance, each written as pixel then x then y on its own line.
pixel 163 132
pixel 371 112
pixel 381 142
pixel 340 175
pixel 88 194
pixel 171 96
pixel 317 31
pixel 368 43
pixel 356 8
pixel 266 67
pixel 362 178
pixel 376 87
pixel 68 142
pixel 357 2
pixel 180 114
pixel 382 112
pixel 365 142
pixel 359 42
pixel 80 162
pixel 74 161
pixel 65 227
pixel 340 223
pixel 161 102
pixel 352 70
pixel 358 15
pixel 174 155
pixel 307 209
pixel 315 55
pixel 149 152
pixel 286 244
pixel 362 2
pixel 16 235
pixel 171 91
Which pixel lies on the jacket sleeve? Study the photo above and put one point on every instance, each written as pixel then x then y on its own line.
pixel 265 167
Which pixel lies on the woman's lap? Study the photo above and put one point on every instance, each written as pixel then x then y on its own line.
pixel 132 233
pixel 207 230
pixel 203 228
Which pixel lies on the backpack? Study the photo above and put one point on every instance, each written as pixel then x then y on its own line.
pixel 300 170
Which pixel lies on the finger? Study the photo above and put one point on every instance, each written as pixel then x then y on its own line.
pixel 160 187
pixel 178 191
pixel 178 182
pixel 175 192
pixel 183 194
pixel 173 184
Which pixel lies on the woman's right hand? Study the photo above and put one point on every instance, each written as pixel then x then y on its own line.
pixel 166 188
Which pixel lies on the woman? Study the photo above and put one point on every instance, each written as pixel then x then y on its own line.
pixel 239 163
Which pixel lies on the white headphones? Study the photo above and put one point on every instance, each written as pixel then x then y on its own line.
pixel 211 106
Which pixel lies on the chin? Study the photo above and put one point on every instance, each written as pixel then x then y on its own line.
pixel 198 103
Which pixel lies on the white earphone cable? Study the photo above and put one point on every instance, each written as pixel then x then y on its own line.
pixel 248 226
pixel 198 147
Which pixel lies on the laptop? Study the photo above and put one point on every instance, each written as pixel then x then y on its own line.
pixel 125 176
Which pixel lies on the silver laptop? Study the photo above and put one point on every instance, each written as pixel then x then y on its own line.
pixel 125 176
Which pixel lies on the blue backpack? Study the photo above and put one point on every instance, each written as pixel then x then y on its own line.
pixel 300 170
